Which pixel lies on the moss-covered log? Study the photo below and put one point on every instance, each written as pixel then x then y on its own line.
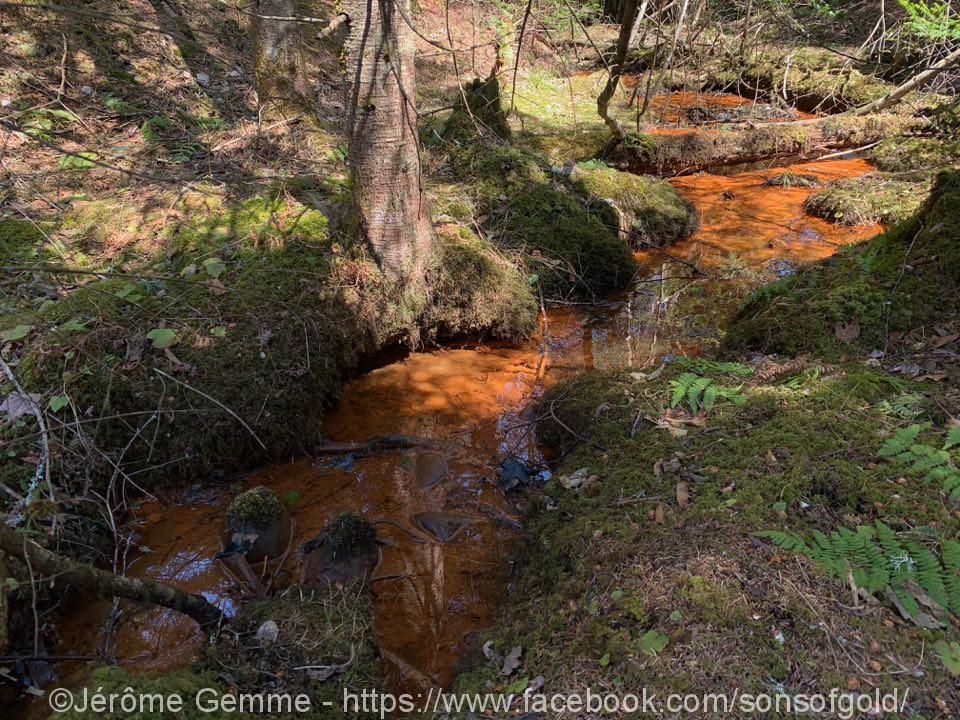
pixel 678 154
pixel 85 578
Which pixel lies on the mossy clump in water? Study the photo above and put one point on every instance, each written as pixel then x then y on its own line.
pixel 654 562
pixel 349 533
pixel 866 199
pixel 257 508
pixel 896 281
pixel 482 114
pixel 788 179
pixel 650 211
pixel 475 289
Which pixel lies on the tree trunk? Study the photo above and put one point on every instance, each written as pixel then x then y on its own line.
pixel 388 202
pixel 914 83
pixel 613 78
pixel 279 65
pixel 85 578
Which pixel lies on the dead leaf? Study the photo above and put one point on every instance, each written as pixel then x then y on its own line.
pixel 945 340
pixel 268 633
pixel 512 661
pixel 847 331
pixel 16 405
pixel 683 495
pixel 491 654
pixel 659 516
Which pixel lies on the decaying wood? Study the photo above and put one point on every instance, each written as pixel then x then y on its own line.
pixel 382 443
pixel 85 578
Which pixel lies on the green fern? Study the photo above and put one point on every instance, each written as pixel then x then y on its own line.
pixel 703 366
pixel 702 393
pixel 935 465
pixel 877 559
pixel 902 440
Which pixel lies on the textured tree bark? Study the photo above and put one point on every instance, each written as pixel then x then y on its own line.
pixel 613 78
pixel 279 65
pixel 105 584
pixel 389 206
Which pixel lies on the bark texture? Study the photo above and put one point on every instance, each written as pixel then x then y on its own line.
pixel 613 78
pixel 85 578
pixel 388 203
pixel 279 64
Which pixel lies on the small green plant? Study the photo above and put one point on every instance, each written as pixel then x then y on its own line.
pixel 875 558
pixel 926 460
pixel 702 393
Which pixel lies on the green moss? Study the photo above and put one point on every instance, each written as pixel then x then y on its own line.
pixel 482 113
pixel 258 507
pixel 649 209
pixel 598 570
pixel 789 179
pixel 185 683
pixel 564 241
pixel 267 315
pixel 348 534
pixel 918 157
pixel 476 290
pixel 873 282
pixel 866 199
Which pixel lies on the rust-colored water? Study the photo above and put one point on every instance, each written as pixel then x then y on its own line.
pixel 472 400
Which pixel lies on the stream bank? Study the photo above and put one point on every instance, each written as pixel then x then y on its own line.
pixel 476 401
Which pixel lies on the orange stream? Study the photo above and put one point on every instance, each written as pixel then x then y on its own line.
pixel 471 399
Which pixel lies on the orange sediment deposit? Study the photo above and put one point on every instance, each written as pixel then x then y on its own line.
pixel 471 401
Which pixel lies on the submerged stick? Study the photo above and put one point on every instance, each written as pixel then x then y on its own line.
pixel 382 443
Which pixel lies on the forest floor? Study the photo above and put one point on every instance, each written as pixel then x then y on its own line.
pixel 128 300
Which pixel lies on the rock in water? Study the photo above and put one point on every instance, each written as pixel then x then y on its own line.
pixel 441 524
pixel 344 549
pixel 257 524
pixel 429 468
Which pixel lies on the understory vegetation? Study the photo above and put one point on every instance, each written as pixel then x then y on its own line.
pixel 761 496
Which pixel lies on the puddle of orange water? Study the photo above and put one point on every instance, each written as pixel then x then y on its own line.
pixel 472 401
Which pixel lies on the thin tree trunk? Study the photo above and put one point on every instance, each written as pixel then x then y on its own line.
pixel 669 59
pixel 914 83
pixel 613 78
pixel 279 64
pixel 85 578
pixel 389 206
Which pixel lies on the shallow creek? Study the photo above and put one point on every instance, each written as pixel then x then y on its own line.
pixel 472 399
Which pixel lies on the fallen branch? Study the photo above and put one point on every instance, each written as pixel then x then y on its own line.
pixel 383 443
pixel 86 578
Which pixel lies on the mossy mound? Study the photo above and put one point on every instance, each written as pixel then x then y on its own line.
pixel 258 508
pixel 896 281
pixel 649 210
pixel 652 564
pixel 866 199
pixel 479 111
pixel 476 290
pixel 348 533
pixel 915 156
pixel 185 683
pixel 221 351
pixel 563 240
pixel 814 80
